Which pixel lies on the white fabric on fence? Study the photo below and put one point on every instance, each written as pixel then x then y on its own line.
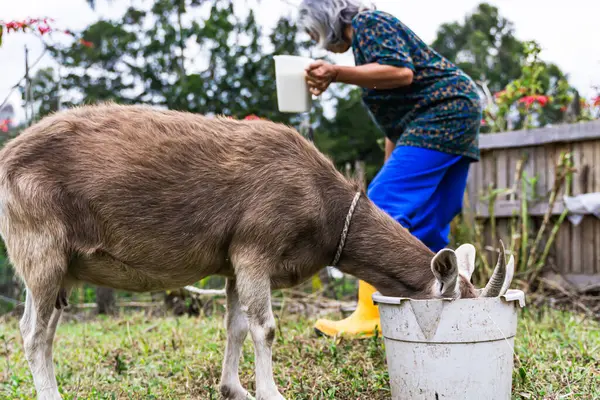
pixel 578 206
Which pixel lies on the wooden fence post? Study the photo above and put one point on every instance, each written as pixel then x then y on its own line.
pixel 105 298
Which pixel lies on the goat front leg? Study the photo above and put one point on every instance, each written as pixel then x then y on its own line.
pixel 237 330
pixel 255 298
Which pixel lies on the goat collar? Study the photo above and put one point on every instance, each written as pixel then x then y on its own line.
pixel 344 235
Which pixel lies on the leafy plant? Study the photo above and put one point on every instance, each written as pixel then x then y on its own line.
pixel 526 103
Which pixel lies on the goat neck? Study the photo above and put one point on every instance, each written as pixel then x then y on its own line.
pixel 381 252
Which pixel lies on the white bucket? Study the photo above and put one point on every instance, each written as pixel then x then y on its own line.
pixel 293 95
pixel 450 349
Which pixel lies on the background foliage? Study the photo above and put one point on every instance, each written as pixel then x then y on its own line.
pixel 211 57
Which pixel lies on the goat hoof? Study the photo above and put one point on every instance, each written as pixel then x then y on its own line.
pixel 49 394
pixel 234 393
pixel 277 396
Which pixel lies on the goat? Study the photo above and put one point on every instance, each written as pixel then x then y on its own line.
pixel 142 199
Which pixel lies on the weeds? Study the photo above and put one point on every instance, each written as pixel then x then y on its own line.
pixel 180 358
pixel 529 247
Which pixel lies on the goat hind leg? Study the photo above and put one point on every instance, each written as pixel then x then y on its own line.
pixel 43 277
pixel 61 301
pixel 255 298
pixel 237 330
pixel 38 325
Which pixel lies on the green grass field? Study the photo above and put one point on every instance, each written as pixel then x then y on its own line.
pixel 136 357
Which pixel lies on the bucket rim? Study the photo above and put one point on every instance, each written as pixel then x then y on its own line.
pixel 511 295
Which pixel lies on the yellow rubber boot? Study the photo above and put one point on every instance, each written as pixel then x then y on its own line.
pixel 363 321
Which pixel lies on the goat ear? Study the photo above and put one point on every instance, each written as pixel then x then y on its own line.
pixel 465 255
pixel 510 272
pixel 445 268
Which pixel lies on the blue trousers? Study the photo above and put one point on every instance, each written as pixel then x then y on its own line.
pixel 423 190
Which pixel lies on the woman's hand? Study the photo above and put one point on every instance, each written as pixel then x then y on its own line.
pixel 319 76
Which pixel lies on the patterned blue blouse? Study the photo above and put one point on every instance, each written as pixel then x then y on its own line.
pixel 440 110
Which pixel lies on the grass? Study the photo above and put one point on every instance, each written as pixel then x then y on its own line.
pixel 139 357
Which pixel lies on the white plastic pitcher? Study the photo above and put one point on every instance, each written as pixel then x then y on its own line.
pixel 450 349
pixel 293 95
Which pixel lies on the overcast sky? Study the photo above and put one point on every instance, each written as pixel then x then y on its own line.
pixel 567 31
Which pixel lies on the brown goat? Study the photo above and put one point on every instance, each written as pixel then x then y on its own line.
pixel 141 199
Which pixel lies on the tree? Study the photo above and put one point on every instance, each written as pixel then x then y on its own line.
pixel 92 3
pixel 45 94
pixel 146 57
pixel 485 47
pixel 351 135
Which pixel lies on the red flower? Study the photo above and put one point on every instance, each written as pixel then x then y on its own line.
pixel 483 122
pixel 543 100
pixel 527 100
pixel 86 43
pixel 4 125
pixel 13 26
pixel 530 100
pixel 251 117
pixel 597 101
pixel 41 25
pixel 44 29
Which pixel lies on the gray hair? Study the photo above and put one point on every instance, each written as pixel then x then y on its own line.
pixel 327 18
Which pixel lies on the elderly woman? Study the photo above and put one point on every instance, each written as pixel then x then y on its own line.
pixel 427 108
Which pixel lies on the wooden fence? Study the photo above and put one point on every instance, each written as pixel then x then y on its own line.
pixel 576 252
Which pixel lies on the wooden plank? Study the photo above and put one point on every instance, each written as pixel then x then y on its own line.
pixel 506 208
pixel 567 133
pixel 587 179
pixel 577 230
pixel 563 247
pixel 529 170
pixel 596 228
pixel 489 173
pixel 596 188
pixel 471 192
pixel 503 229
pixel 487 241
pixel 489 177
pixel 472 182
pixel 478 185
pixel 540 170
pixel 502 177
pixel 551 159
pixel 514 156
pixel 563 237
